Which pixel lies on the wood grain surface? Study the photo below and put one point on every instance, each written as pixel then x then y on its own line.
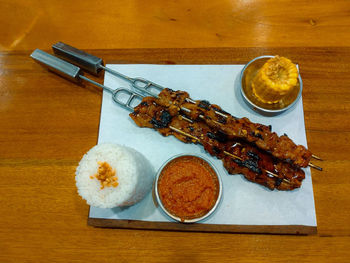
pixel 174 23
pixel 47 123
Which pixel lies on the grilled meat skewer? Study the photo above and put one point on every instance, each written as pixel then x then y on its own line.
pixel 282 147
pixel 254 164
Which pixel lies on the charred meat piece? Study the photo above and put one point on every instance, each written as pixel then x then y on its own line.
pixel 172 100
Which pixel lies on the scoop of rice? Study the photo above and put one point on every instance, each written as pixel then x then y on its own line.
pixel 134 173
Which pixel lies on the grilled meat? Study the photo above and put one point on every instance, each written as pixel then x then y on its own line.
pixel 281 147
pixel 250 161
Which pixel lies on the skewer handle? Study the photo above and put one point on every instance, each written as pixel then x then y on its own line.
pixel 57 65
pixel 78 57
pixel 63 68
pixel 94 65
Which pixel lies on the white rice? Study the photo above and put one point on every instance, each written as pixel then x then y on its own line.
pixel 135 176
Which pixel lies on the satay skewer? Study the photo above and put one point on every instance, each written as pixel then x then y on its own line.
pixel 220 124
pixel 226 116
pixel 189 135
pixel 184 109
pixel 201 116
pixel 196 139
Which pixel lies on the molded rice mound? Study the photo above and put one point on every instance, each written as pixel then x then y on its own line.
pixel 135 176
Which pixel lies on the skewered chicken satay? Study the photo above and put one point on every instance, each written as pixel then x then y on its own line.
pixel 281 147
pixel 254 164
pixel 289 177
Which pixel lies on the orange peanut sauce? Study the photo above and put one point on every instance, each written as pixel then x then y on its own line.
pixel 188 187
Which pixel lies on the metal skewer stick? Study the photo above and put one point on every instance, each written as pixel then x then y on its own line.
pixel 315 166
pixel 94 65
pixel 316 157
pixel 144 85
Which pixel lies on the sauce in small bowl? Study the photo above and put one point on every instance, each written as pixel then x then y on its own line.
pixel 188 188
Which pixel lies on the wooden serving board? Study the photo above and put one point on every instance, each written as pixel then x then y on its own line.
pixel 262 229
pixel 245 206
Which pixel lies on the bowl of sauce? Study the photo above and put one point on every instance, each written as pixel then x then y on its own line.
pixel 188 188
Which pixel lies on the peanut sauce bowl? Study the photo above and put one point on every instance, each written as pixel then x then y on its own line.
pixel 188 188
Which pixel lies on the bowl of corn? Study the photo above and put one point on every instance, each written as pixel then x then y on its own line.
pixel 271 84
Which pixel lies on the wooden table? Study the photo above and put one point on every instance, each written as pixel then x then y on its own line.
pixel 47 123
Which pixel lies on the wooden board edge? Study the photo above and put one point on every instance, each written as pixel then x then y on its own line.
pixel 172 226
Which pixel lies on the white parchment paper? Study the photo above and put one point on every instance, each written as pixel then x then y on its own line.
pixel 243 202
